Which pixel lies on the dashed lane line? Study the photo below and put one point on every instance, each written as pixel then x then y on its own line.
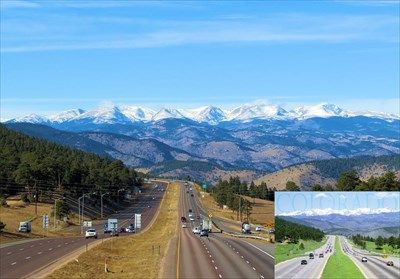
pixel 14 263
pixel 27 258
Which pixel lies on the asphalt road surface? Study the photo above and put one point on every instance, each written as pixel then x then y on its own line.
pixel 218 256
pixel 314 267
pixel 376 266
pixel 19 260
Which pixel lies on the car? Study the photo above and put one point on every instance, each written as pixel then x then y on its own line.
pixel 190 210
pixel 154 198
pixel 91 233
pixel 114 232
pixel 204 232
pixel 196 230
pixel 190 215
pixel 321 255
pixel 191 219
pixel 311 256
pixel 123 230
pixel 303 262
pixel 130 230
pixel 364 259
pixel 258 229
pixel 187 192
pixel 183 219
pixel 191 195
pixel 184 225
pixel 389 263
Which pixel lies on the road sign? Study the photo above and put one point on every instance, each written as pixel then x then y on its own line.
pixel 87 224
pixel 204 186
pixel 45 221
pixel 138 221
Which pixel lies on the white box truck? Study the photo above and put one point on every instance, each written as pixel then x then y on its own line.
pixel 25 226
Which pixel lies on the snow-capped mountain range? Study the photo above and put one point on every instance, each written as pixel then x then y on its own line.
pixel 126 114
pixel 345 212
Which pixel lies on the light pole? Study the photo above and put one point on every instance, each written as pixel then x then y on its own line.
pixel 101 203
pixel 81 211
pixel 55 212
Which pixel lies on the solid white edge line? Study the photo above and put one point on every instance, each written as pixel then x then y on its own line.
pixel 260 250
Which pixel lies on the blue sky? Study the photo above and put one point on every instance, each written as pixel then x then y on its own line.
pixel 70 54
pixel 303 201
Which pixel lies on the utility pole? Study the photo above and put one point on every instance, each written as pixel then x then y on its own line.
pixel 55 212
pixel 36 198
pixel 101 203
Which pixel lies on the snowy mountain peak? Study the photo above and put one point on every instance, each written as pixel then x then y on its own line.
pixel 319 110
pixel 209 114
pixel 135 113
pixel 66 115
pixel 167 113
pixel 105 115
pixel 31 118
pixel 346 212
pixel 251 111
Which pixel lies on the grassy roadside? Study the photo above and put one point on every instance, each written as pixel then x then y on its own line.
pixel 386 249
pixel 287 251
pixel 18 211
pixel 262 212
pixel 340 266
pixel 132 256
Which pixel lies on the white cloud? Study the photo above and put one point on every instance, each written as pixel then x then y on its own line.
pixel 384 195
pixel 320 195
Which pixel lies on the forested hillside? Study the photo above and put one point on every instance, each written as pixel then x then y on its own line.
pixel 286 230
pixel 37 166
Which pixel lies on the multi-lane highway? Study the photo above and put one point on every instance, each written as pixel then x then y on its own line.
pixel 313 269
pixel 22 259
pixel 218 256
pixel 376 266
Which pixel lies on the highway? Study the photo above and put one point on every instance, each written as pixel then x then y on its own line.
pixel 22 259
pixel 375 267
pixel 218 256
pixel 314 267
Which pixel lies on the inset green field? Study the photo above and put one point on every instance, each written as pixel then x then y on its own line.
pixel 386 249
pixel 287 251
pixel 340 266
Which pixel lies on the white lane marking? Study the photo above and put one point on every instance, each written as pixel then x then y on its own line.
pixel 237 252
pixel 212 261
pixel 13 263
pixel 248 262
pixel 39 253
pixel 259 249
pixel 254 268
pixel 32 246
pixel 208 252
pixel 21 249
pixel 242 257
pixel 50 249
pixel 58 245
pixel 219 275
pixel 40 243
pixel 48 241
pixel 210 256
pixel 215 267
pixel 72 241
pixel 27 258
pixel 262 276
pixel 66 243
pixel 9 253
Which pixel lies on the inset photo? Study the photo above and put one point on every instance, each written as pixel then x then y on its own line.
pixel 337 234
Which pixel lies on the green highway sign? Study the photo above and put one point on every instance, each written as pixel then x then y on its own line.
pixel 204 186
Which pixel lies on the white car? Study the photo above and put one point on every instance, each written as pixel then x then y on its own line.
pixel 190 215
pixel 130 230
pixel 184 225
pixel 91 233
pixel 196 230
pixel 191 219
pixel 258 229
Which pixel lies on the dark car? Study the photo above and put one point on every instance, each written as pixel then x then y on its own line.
pixel 191 195
pixel 204 232
pixel 183 219
pixel 321 255
pixel 190 210
pixel 303 262
pixel 311 256
pixel 389 263
pixel 114 232
pixel 122 230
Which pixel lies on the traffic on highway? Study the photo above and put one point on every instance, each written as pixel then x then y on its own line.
pixel 27 258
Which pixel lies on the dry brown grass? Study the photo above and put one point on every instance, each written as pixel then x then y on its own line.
pixel 18 211
pixel 262 212
pixel 132 256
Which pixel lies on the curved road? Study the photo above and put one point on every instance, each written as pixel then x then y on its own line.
pixel 218 256
pixel 20 260
pixel 314 267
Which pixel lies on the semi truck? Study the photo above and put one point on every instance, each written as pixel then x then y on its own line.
pixel 207 224
pixel 246 228
pixel 25 226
